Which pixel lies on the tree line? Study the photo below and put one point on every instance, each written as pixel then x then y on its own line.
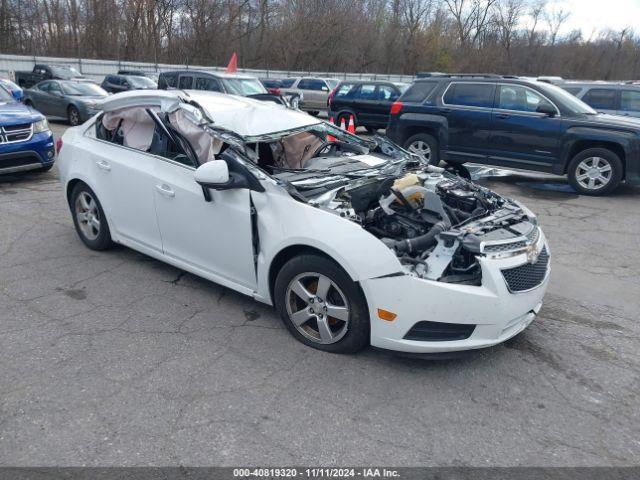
pixel 523 37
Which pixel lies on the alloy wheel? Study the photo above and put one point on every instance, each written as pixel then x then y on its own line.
pixel 593 173
pixel 422 149
pixel 88 215
pixel 74 117
pixel 317 308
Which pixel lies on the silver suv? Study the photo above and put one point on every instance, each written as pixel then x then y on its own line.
pixel 607 97
pixel 314 92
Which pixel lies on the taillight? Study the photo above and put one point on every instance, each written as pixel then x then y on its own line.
pixel 276 91
pixel 58 145
pixel 395 108
pixel 330 97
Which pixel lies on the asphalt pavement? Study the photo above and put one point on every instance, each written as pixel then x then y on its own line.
pixel 113 358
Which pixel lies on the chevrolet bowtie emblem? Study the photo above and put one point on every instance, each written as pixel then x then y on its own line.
pixel 532 254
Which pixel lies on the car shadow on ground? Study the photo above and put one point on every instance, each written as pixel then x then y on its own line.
pixel 548 189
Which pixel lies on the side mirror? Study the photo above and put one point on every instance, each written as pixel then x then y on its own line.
pixel 213 174
pixel 547 109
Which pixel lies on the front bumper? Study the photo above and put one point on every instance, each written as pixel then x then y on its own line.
pixel 32 154
pixel 496 313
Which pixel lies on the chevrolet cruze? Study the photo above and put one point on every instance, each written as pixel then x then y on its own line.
pixel 356 242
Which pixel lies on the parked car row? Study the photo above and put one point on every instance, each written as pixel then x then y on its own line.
pixel 487 119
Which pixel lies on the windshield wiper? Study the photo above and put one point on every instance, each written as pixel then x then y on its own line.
pixel 303 170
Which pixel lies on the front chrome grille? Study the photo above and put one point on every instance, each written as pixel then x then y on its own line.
pixel 16 133
pixel 504 247
pixel 508 246
pixel 528 276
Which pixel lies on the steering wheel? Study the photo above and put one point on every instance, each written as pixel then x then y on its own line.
pixel 330 146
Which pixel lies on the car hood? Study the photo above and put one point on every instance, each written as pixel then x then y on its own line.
pixel 607 120
pixel 14 113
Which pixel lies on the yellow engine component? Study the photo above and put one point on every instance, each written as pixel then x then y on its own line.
pixel 409 180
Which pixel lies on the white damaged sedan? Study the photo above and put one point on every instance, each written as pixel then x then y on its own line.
pixel 356 242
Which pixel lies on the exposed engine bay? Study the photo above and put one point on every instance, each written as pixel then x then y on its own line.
pixel 438 224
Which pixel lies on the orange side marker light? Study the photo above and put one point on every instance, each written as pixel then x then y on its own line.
pixel 386 315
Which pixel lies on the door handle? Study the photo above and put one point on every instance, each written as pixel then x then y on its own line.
pixel 102 165
pixel 503 115
pixel 165 190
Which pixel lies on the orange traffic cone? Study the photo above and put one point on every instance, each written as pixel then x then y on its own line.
pixel 331 138
pixel 352 126
pixel 343 126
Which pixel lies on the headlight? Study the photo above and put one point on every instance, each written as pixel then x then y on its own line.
pixel 41 126
pixel 532 216
pixel 91 103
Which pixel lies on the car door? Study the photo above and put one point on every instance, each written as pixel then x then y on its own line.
pixel 467 107
pixel 209 84
pixel 602 99
pixel 386 95
pixel 55 100
pixel 629 103
pixel 214 237
pixel 185 82
pixel 315 93
pixel 364 103
pixel 521 137
pixel 40 98
pixel 124 178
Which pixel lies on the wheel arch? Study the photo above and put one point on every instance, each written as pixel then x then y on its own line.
pixel 582 145
pixel 291 251
pixel 71 184
pixel 410 124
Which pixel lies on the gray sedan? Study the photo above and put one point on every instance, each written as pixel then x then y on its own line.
pixel 65 99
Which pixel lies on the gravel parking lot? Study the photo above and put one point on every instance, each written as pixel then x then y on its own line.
pixel 114 358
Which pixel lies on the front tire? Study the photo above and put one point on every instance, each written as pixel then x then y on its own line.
pixel 89 218
pixel 73 116
pixel 425 146
pixel 321 306
pixel 595 171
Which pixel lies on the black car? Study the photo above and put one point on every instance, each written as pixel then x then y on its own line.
pixel 122 83
pixel 368 101
pixel 516 123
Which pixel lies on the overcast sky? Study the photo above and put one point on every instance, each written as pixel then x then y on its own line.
pixel 595 15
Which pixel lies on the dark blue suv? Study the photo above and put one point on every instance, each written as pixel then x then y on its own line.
pixel 516 123
pixel 26 143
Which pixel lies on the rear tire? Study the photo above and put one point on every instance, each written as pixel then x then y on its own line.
pixel 29 103
pixel 73 116
pixel 89 218
pixel 595 171
pixel 424 145
pixel 307 290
